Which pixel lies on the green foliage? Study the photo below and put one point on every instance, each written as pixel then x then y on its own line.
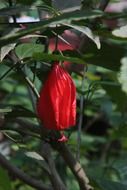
pixel 25 60
pixel 105 58
pixel 28 49
pixel 5 182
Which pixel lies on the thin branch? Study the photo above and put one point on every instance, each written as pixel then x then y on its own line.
pixel 16 61
pixel 74 165
pixel 66 154
pixel 64 151
pixel 55 178
pixel 8 71
pixel 21 175
pixel 80 117
pixel 30 84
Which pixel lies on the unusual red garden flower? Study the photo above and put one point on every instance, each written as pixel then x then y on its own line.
pixel 57 103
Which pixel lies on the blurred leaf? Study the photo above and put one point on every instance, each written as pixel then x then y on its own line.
pixel 16 111
pixel 116 94
pixel 12 135
pixel 5 183
pixel 111 185
pixel 104 57
pixel 2 4
pixel 28 49
pixel 120 32
pixel 120 164
pixel 87 31
pixel 123 74
pixel 34 155
pixel 5 110
pixel 115 15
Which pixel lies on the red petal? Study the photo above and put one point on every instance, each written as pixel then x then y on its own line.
pixel 57 104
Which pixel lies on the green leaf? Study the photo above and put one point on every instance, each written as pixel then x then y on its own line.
pixel 5 183
pixel 111 185
pixel 34 155
pixel 63 18
pixel 12 111
pixel 108 56
pixel 5 110
pixel 54 57
pixel 38 157
pixel 28 49
pixel 116 94
pixel 115 15
pixel 87 31
pixel 12 135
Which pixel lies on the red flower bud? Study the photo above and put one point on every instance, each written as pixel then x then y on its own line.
pixel 57 103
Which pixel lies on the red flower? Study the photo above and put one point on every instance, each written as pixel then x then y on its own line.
pixel 57 103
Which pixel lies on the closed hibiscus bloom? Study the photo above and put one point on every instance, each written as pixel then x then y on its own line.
pixel 56 106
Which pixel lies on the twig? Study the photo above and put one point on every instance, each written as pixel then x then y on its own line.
pixel 80 117
pixel 21 175
pixel 30 84
pixel 55 178
pixel 16 61
pixel 8 71
pixel 74 165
